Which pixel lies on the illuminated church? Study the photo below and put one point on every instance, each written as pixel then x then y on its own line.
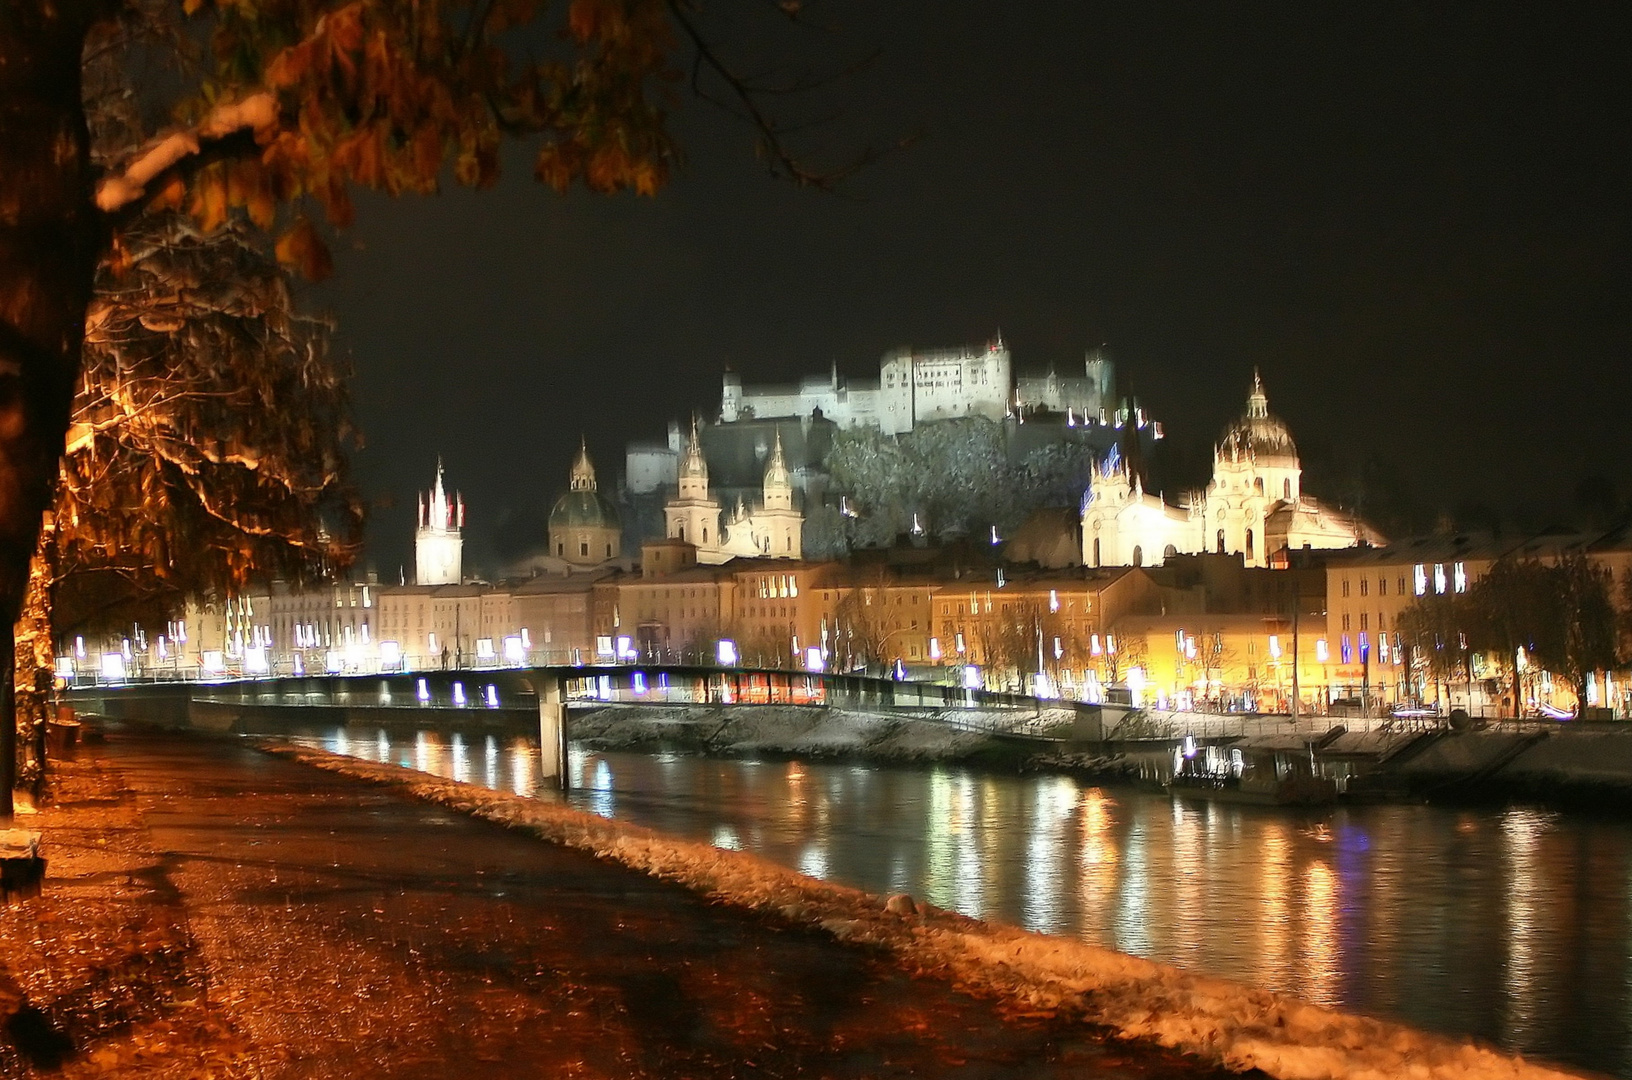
pixel 439 538
pixel 771 530
pixel 1254 507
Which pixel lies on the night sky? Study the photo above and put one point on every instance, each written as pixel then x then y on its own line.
pixel 1412 217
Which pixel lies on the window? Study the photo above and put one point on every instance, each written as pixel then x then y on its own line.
pixel 1345 620
pixel 1249 541
pixel 1258 484
pixel 1364 585
pixel 1382 586
pixel 1345 586
pixel 1439 578
pixel 1220 543
pixel 1138 555
pixel 583 548
pixel 1402 585
pixel 1096 551
pixel 1459 577
pixel 1286 489
pixel 1419 578
pixel 1363 625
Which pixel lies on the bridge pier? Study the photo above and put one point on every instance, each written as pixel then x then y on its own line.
pixel 552 730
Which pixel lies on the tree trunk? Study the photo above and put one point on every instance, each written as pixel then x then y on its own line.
pixel 50 238
pixel 35 659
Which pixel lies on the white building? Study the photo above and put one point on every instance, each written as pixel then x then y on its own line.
pixel 773 529
pixel 1254 507
pixel 438 541
pixel 915 386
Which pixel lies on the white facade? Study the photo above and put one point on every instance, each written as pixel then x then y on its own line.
pixel 774 529
pixel 438 541
pixel 915 386
pixel 1254 507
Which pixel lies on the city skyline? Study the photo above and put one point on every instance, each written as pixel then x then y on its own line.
pixel 1409 220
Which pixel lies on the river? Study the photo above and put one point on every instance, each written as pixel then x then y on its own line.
pixel 1511 924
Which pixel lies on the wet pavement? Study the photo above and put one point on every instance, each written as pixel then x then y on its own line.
pixel 348 931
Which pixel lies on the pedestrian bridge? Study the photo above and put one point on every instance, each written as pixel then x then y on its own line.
pixel 543 696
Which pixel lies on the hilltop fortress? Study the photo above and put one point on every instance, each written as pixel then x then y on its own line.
pixel 915 386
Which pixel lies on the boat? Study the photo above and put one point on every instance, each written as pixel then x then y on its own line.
pixel 1248 775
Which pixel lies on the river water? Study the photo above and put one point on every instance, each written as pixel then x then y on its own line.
pixel 1512 924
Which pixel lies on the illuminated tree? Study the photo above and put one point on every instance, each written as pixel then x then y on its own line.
pixel 208 445
pixel 282 105
pixel 1435 630
pixel 1581 639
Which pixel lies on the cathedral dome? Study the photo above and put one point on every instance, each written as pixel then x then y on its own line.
pixel 584 509
pixel 1257 434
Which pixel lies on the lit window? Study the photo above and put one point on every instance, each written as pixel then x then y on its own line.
pixel 1459 577
pixel 1322 653
pixel 1439 577
pixel 1419 578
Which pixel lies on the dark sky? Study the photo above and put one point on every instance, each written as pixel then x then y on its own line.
pixel 1412 217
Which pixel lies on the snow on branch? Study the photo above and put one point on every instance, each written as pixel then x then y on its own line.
pixel 255 113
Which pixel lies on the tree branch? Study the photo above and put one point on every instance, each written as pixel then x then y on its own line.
pixel 256 113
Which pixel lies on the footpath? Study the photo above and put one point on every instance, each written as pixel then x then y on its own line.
pixel 211 910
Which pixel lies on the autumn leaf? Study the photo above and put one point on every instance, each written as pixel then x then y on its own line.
pixel 303 250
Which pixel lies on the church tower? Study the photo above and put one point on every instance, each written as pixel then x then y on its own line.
pixel 439 542
pixel 691 515
pixel 778 483
pixel 780 525
pixel 585 529
pixel 1255 472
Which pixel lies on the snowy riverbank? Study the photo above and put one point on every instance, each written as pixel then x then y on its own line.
pixel 777 730
pixel 1214 1019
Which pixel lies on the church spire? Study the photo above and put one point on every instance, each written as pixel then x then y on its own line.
pixel 693 465
pixel 1257 403
pixel 583 470
pixel 778 481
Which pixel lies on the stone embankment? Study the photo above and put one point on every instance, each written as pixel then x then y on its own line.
pixel 800 731
pixel 1561 762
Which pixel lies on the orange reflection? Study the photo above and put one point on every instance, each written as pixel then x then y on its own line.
pixel 1274 965
pixel 1321 972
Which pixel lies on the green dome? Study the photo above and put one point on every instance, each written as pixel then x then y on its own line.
pixel 584 510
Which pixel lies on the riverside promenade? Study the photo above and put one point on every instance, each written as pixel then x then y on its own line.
pixel 213 910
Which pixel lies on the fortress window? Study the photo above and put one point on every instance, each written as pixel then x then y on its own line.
pixel 583 548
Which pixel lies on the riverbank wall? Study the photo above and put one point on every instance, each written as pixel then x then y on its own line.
pixel 1562 764
pixel 795 731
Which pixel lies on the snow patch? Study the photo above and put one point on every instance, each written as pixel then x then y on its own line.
pixel 1217 1020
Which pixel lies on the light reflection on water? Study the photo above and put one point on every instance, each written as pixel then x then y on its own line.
pixel 1513 925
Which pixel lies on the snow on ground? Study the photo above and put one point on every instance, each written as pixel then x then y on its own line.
pixel 775 729
pixel 1217 1020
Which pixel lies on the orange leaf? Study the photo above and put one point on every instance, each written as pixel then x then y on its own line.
pixel 304 251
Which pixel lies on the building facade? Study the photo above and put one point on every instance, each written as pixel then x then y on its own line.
pixel 1254 506
pixel 771 529
pixel 916 386
pixel 438 540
